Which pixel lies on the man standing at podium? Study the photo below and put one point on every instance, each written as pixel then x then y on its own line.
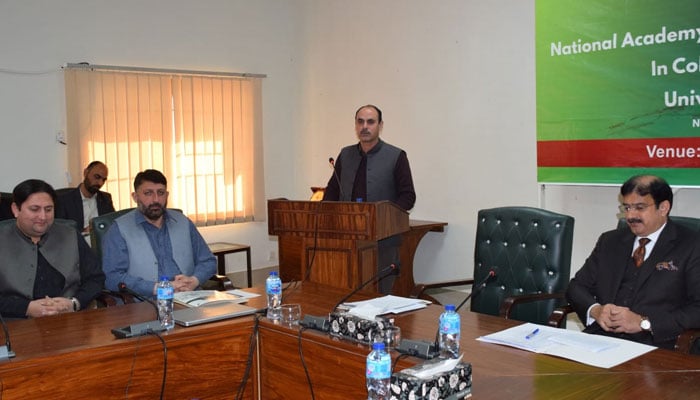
pixel 373 170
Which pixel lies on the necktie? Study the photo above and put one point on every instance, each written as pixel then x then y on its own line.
pixel 638 255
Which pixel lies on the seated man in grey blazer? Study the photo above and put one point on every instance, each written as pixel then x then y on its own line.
pixel 641 283
pixel 86 201
pixel 152 241
pixel 46 268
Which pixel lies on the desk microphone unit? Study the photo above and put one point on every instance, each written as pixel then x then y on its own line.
pixel 143 328
pixel 426 349
pixel 323 324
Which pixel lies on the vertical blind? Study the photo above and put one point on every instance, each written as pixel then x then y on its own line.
pixel 200 131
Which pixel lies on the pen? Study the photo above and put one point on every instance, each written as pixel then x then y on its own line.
pixel 532 334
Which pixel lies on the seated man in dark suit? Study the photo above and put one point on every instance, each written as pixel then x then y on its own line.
pixel 86 201
pixel 642 283
pixel 47 268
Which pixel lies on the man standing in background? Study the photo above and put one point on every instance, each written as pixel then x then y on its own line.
pixel 373 170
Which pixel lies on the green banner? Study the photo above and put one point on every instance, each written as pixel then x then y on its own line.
pixel 618 90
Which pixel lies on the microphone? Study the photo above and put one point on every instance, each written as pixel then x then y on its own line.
pixel 478 288
pixel 6 351
pixel 322 324
pixel 331 161
pixel 125 289
pixel 142 328
pixel 386 271
pixel 428 350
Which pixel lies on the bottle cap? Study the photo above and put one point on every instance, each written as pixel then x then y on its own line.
pixel 378 346
pixel 273 273
pixel 164 278
pixel 449 307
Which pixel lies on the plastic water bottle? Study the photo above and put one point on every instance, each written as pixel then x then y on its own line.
pixel 164 294
pixel 449 332
pixel 273 288
pixel 378 373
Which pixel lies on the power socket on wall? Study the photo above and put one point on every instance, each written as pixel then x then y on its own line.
pixel 272 256
pixel 61 137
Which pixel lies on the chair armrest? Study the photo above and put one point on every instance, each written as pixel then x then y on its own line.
pixel 685 340
pixel 511 301
pixel 558 316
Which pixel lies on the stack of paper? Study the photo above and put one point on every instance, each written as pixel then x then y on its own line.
pixel 596 350
pixel 369 309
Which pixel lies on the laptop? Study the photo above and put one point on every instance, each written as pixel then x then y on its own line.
pixel 210 313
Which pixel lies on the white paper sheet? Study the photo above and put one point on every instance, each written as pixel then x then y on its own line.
pixel 596 350
pixel 386 304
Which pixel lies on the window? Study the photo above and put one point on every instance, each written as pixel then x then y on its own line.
pixel 202 131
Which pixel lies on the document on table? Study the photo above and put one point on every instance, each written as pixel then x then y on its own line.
pixel 384 305
pixel 596 350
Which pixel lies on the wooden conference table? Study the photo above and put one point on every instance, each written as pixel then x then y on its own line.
pixel 76 356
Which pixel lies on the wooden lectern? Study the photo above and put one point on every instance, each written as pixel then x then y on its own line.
pixel 334 243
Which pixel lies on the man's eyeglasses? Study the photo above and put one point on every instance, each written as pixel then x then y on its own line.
pixel 639 207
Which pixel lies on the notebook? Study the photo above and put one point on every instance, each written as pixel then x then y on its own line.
pixel 210 313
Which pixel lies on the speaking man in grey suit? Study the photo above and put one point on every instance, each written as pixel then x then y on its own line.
pixel 648 292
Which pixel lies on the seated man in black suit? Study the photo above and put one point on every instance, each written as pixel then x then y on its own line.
pixel 642 283
pixel 86 201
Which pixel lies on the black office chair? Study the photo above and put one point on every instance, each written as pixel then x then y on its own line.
pixel 687 341
pixel 100 225
pixel 529 249
pixel 6 206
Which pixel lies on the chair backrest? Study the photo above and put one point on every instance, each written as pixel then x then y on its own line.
pixel 99 227
pixel 530 251
pixel 688 222
pixel 5 206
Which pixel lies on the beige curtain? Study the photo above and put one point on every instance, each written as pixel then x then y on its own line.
pixel 200 131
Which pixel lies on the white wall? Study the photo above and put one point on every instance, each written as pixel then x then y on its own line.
pixel 221 35
pixel 455 79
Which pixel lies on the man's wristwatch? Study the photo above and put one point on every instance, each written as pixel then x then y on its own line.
pixel 76 304
pixel 645 324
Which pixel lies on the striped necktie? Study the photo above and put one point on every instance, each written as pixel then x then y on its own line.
pixel 638 255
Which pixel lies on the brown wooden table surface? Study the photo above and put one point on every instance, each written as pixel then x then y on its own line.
pixel 76 356
pixel 336 367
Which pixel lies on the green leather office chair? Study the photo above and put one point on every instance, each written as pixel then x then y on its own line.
pixel 100 225
pixel 529 249
pixel 688 341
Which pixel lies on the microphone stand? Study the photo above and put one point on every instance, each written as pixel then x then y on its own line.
pixel 322 324
pixel 392 268
pixel 428 350
pixel 143 328
pixel 477 289
pixel 125 289
pixel 337 178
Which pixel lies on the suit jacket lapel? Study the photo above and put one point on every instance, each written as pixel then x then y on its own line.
pixel 619 261
pixel 78 207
